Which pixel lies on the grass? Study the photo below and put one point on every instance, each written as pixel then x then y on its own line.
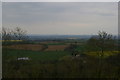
pixel 106 53
pixel 34 55
pixel 55 64
pixel 64 68
pixel 80 48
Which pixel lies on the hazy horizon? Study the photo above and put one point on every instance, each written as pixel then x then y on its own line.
pixel 61 18
pixel 65 34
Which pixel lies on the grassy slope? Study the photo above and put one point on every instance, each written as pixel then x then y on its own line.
pixel 67 68
pixel 34 55
pixel 81 49
pixel 106 53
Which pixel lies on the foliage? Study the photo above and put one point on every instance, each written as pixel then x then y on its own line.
pixel 72 49
pixel 102 42
pixel 44 47
pixel 60 64
pixel 85 67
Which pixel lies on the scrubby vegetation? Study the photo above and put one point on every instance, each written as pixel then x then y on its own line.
pixel 97 57
pixel 58 65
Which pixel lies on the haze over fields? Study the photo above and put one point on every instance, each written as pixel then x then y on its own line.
pixel 61 18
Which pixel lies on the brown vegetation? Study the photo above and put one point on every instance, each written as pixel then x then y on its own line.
pixel 56 47
pixel 33 47
pixel 37 47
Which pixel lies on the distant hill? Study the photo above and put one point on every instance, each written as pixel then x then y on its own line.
pixel 52 37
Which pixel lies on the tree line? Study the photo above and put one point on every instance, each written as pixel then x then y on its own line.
pixel 101 42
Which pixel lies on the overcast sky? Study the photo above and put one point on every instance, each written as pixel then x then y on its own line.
pixel 76 18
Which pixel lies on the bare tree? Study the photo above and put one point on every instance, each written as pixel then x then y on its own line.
pixel 19 34
pixel 102 42
pixel 15 34
pixel 6 34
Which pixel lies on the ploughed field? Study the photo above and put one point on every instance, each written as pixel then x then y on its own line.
pixel 36 52
pixel 33 47
pixel 49 46
pixel 37 47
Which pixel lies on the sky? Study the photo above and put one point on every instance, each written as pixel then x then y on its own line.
pixel 61 18
pixel 60 0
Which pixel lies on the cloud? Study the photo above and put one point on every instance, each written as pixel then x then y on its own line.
pixel 62 17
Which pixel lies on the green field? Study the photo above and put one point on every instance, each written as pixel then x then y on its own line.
pixel 60 63
pixel 56 64
pixel 34 55
pixel 55 43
